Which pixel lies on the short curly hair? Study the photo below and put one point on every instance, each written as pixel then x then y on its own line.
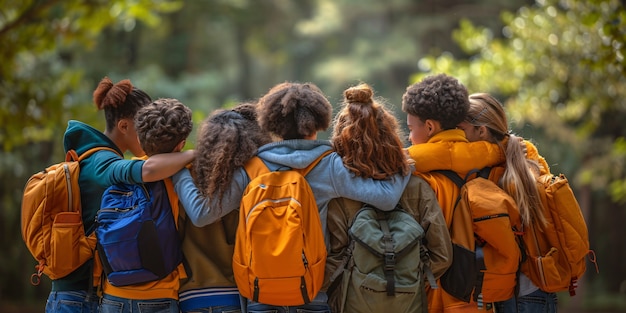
pixel 437 97
pixel 227 140
pixel 162 124
pixel 367 136
pixel 294 110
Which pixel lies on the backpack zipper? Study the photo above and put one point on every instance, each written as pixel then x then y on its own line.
pixel 68 182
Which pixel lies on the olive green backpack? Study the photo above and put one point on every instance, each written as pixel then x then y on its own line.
pixel 383 269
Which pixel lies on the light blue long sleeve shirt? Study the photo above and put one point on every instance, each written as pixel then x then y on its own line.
pixel 328 180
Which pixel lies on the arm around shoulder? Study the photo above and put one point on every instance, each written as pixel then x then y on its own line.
pixel 161 166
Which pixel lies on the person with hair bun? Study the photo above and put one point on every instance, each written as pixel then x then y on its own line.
pixel 293 114
pixel 368 138
pixel 162 127
pixel 120 102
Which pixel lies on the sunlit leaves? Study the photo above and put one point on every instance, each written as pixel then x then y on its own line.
pixel 558 67
pixel 36 85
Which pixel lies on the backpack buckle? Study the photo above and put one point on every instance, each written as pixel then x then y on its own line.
pixel 390 260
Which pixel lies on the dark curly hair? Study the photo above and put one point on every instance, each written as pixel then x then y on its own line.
pixel 294 110
pixel 120 100
pixel 227 140
pixel 163 124
pixel 367 136
pixel 438 97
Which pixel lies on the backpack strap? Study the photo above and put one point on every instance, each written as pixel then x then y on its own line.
pixel 173 198
pixel 480 264
pixel 389 258
pixel 453 176
pixel 256 167
pixel 71 155
pixel 307 169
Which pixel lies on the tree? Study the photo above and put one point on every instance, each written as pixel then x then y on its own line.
pixel 560 69
pixel 36 88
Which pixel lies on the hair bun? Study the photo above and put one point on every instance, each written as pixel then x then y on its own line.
pixel 359 94
pixel 108 94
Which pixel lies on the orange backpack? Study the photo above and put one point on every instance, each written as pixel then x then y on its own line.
pixel 486 252
pixel 52 224
pixel 280 254
pixel 557 251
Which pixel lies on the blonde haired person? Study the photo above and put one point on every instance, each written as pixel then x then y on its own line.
pixel 486 120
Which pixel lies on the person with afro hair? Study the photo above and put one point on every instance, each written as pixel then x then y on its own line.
pixel 293 114
pixel 435 106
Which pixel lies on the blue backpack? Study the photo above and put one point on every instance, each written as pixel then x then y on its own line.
pixel 138 240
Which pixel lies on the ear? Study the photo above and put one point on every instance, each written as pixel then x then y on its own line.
pixel 483 133
pixel 432 127
pixel 180 145
pixel 123 125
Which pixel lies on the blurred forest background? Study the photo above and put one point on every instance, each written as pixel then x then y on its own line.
pixel 558 66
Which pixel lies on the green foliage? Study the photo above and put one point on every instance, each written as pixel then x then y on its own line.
pixel 559 67
pixel 35 81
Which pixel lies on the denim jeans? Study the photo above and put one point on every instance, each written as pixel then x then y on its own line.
pixel 71 302
pixel 535 302
pixel 217 309
pixel 306 308
pixel 111 304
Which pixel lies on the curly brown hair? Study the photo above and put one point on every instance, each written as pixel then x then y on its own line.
pixel 294 110
pixel 162 125
pixel 227 140
pixel 437 97
pixel 367 136
pixel 119 100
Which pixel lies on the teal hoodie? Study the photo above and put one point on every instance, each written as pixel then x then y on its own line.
pixel 97 172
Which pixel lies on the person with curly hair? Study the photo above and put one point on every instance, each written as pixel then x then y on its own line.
pixel 294 113
pixel 368 138
pixel 434 107
pixel 162 127
pixel 226 140
pixel 120 102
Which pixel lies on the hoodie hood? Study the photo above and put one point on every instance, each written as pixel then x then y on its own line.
pixel 295 153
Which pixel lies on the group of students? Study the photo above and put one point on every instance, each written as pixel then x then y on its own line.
pixel 368 163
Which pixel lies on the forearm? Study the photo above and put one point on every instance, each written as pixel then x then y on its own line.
pixel 195 204
pixel 161 166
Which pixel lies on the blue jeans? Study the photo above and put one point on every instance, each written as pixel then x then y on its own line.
pixel 71 302
pixel 535 302
pixel 217 309
pixel 254 307
pixel 111 304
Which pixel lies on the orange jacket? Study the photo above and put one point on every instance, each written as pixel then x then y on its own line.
pixel 450 149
